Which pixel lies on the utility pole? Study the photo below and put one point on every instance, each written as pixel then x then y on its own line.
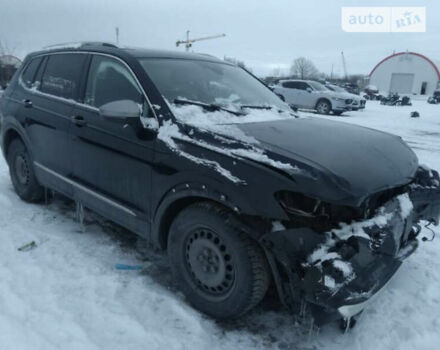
pixel 117 35
pixel 344 65
pixel 189 42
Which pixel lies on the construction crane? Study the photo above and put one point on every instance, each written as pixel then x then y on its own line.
pixel 344 65
pixel 188 42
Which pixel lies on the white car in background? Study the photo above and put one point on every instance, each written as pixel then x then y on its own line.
pixel 358 102
pixel 308 94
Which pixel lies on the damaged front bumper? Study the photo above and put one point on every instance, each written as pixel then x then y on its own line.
pixel 338 272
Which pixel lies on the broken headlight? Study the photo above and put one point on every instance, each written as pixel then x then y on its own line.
pixel 426 177
pixel 314 212
pixel 298 204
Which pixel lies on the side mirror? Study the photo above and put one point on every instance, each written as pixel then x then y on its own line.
pixel 120 111
pixel 282 98
pixel 309 90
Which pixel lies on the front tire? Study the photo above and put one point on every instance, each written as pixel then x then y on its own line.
pixel 219 268
pixel 22 173
pixel 323 107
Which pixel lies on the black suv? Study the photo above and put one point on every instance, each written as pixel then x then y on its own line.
pixel 202 159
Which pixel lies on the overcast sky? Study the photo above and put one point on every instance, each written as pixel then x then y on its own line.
pixel 264 34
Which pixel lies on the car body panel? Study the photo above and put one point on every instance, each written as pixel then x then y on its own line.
pixel 351 153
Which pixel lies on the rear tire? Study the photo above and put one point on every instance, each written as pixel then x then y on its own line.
pixel 22 173
pixel 323 107
pixel 219 268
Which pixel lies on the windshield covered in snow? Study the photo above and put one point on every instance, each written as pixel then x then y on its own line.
pixel 209 83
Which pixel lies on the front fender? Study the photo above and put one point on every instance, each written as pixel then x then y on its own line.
pixel 186 193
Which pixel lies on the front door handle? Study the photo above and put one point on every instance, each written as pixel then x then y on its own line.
pixel 78 120
pixel 27 103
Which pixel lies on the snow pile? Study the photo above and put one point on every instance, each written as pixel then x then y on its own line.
pixel 195 115
pixel 277 226
pixel 344 267
pixel 221 125
pixel 169 131
pixel 406 205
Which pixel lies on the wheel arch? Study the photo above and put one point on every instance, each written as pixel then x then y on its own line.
pixel 175 201
pixel 324 99
pixel 12 130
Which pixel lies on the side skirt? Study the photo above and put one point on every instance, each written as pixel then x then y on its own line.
pixel 123 215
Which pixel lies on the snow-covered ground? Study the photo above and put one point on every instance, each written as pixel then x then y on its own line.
pixel 67 294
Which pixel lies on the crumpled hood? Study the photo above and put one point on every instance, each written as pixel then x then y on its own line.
pixel 365 160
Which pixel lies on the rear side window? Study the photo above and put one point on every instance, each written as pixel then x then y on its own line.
pixel 302 86
pixel 62 75
pixel 30 71
pixel 290 84
pixel 108 81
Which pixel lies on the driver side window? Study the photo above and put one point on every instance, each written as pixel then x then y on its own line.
pixel 302 86
pixel 110 81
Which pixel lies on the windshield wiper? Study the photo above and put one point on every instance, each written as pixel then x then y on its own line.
pixel 256 107
pixel 211 107
pixel 266 107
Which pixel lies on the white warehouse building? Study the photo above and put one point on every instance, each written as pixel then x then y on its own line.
pixel 406 73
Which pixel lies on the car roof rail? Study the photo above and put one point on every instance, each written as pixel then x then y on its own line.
pixel 77 45
pixel 99 43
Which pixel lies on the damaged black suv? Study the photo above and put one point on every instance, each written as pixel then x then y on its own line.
pixel 204 161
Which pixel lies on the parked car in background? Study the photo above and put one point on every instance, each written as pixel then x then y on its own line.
pixel 358 102
pixel 352 88
pixel 201 159
pixel 308 94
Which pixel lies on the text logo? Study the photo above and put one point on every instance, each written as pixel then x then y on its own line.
pixel 383 19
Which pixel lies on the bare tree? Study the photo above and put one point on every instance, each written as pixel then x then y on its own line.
pixel 2 48
pixel 304 68
pixel 5 49
pixel 8 66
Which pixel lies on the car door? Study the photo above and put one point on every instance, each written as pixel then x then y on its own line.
pixel 308 95
pixel 287 90
pixel 112 162
pixel 47 105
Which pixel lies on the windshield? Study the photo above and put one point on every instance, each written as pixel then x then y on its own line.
pixel 209 83
pixel 317 86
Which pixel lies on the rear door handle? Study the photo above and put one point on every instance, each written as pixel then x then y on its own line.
pixel 78 120
pixel 27 103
